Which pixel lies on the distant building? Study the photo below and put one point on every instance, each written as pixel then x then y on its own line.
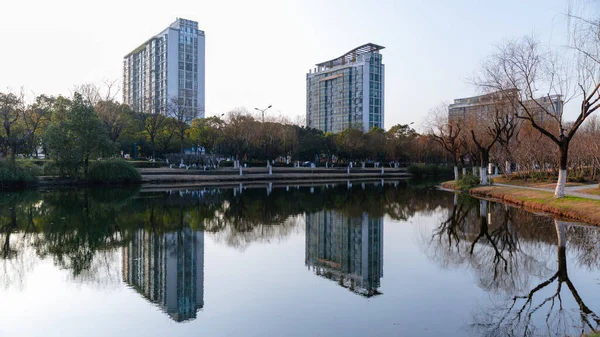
pixel 347 92
pixel 477 106
pixel 345 249
pixel 168 270
pixel 168 65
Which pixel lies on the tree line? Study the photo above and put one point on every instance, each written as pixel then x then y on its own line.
pixel 90 124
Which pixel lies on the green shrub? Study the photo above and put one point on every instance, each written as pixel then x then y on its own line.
pixel 576 178
pixel 113 171
pixel 50 168
pixel 541 176
pixel 37 162
pixel 467 182
pixel 147 164
pixel 17 174
pixel 30 167
pixel 429 170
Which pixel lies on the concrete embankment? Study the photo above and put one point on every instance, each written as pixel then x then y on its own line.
pixel 155 176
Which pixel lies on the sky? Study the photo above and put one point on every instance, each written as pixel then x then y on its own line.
pixel 258 52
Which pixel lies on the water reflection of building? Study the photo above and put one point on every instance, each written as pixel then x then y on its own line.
pixel 346 249
pixel 167 269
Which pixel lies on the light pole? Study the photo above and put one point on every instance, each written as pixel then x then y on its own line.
pixel 263 112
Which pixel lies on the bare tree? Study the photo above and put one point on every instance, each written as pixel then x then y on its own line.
pixel 448 133
pixel 183 114
pixel 524 66
pixel 487 127
pixel 93 93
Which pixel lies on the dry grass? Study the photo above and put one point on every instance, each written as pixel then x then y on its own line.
pixel 593 191
pixel 579 209
pixel 449 185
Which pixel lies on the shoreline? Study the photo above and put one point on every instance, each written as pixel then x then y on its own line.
pixel 200 178
pixel 570 207
pixel 188 178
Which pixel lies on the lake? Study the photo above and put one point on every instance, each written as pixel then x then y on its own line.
pixel 374 258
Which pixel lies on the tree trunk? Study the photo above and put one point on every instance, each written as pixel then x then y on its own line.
pixel 485 159
pixel 483 180
pixel 455 172
pixel 153 148
pixel 181 142
pixel 562 173
pixel 561 234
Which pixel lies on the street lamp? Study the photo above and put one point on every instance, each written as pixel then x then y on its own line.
pixel 263 112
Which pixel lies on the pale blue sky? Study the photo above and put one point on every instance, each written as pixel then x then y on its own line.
pixel 258 52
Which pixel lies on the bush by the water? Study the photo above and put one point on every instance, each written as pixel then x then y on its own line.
pixel 429 170
pixel 113 171
pixel 19 173
pixel 147 164
pixel 467 182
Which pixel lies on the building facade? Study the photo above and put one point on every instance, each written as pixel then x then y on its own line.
pixel 167 68
pixel 168 270
pixel 476 107
pixel 348 250
pixel 347 92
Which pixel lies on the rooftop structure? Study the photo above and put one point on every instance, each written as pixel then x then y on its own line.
pixel 347 92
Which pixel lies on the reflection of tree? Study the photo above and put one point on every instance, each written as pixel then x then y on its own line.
pixel 517 317
pixel 79 229
pixel 507 249
pixel 481 235
pixel 16 258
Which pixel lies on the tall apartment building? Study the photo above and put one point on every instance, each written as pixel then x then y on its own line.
pixel 168 270
pixel 167 67
pixel 347 92
pixel 348 250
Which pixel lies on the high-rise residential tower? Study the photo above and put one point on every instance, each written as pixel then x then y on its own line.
pixel 169 67
pixel 347 92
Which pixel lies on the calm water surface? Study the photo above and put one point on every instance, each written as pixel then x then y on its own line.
pixel 372 259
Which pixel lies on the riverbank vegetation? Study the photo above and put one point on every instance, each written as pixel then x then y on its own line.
pixel 113 171
pixel 17 173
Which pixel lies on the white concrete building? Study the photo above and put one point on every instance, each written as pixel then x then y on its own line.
pixel 347 92
pixel 168 66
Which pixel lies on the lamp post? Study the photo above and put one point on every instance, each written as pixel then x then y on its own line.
pixel 263 112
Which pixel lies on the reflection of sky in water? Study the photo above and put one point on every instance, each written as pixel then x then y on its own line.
pixel 261 282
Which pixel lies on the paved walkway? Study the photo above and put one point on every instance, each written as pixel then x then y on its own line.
pixel 571 191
